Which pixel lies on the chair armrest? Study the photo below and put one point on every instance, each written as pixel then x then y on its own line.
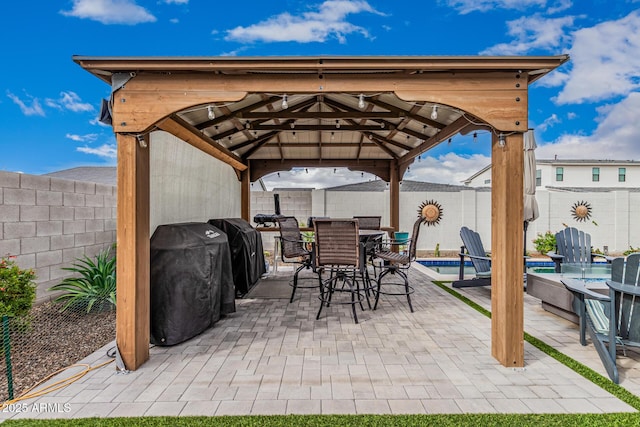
pixel 626 289
pixel 606 257
pixel 578 286
pixel 486 258
pixel 555 257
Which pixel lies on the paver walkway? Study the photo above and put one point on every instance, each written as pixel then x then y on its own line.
pixel 272 357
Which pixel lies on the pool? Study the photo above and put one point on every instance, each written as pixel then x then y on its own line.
pixel 452 266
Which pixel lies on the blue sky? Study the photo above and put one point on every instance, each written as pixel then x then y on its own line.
pixel 588 108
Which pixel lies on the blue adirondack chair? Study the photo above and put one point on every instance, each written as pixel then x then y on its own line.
pixel 573 246
pixel 473 249
pixel 614 319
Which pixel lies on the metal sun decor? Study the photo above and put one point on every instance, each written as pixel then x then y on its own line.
pixel 581 211
pixel 431 212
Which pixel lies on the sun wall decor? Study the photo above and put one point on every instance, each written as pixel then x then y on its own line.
pixel 431 212
pixel 581 211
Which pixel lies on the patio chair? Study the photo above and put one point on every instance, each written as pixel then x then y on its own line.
pixel 573 246
pixel 613 319
pixel 472 248
pixel 293 249
pixel 397 262
pixel 370 223
pixel 338 252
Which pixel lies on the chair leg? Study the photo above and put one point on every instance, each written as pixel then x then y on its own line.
pixel 406 288
pixel 295 283
pixel 384 273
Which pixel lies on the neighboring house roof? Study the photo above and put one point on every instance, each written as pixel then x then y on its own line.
pixel 587 161
pixel 99 174
pixel 405 185
pixel 480 172
pixel 594 189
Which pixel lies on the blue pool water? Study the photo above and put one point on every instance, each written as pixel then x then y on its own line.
pixel 453 266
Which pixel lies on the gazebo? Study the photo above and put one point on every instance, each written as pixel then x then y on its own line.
pixel 260 115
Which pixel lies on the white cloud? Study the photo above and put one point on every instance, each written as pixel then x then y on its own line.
pixel 110 11
pixel 329 21
pixel 468 6
pixel 533 32
pixel 176 1
pixel 34 109
pixel 559 6
pixel 549 122
pixel 605 61
pixel 105 150
pixel 174 20
pixel 69 101
pixel 571 115
pixel 450 168
pixel 90 137
pixel 615 137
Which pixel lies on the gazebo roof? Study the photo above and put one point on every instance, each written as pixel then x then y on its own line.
pixel 324 127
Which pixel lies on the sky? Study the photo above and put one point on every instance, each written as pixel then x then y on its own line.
pixel 589 108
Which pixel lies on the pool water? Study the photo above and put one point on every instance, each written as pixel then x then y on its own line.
pixel 453 266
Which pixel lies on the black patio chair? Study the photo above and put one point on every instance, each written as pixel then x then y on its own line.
pixel 294 249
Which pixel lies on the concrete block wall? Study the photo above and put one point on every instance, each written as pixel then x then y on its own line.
pixel 47 223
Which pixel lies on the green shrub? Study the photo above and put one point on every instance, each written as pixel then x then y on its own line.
pixel 436 252
pixel 93 288
pixel 17 288
pixel 631 250
pixel 545 242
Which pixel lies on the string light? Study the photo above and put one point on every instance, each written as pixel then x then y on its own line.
pixel 361 101
pixel 337 124
pixel 306 170
pixel 210 112
pixel 501 140
pixel 285 104
pixel 434 112
pixel 475 137
pixel 333 135
pixel 449 142
pixel 294 135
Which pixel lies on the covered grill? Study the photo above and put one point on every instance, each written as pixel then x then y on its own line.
pixel 247 255
pixel 191 281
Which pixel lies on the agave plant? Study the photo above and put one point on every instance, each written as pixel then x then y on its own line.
pixel 93 286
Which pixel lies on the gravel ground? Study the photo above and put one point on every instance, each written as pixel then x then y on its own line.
pixel 53 341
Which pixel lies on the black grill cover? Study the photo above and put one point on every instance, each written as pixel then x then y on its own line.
pixel 191 281
pixel 247 255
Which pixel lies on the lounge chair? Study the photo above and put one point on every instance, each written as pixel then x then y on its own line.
pixel 573 246
pixel 473 249
pixel 395 261
pixel 293 249
pixel 613 319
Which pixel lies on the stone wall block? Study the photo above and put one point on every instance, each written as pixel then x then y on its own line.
pixel 72 254
pixel 85 187
pixel 110 201
pixel 93 225
pixel 48 198
pixel 85 239
pixel 104 237
pixel 104 189
pixel 63 241
pixel 18 230
pixel 26 261
pixel 9 247
pixel 9 179
pixel 109 224
pixel 32 245
pixel 72 199
pixel 102 213
pixel 9 213
pixel 44 259
pixel 94 200
pixel 73 227
pixel 19 196
pixel 34 213
pixel 35 182
pixel 48 228
pixel 61 213
pixel 83 213
pixel 63 185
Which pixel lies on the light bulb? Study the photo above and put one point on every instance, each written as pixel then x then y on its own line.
pixel 337 124
pixel 475 137
pixel 361 101
pixel 294 135
pixel 285 104
pixel 332 136
pixel 210 112
pixel 501 140
pixel 434 112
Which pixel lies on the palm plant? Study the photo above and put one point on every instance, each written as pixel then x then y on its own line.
pixel 93 286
